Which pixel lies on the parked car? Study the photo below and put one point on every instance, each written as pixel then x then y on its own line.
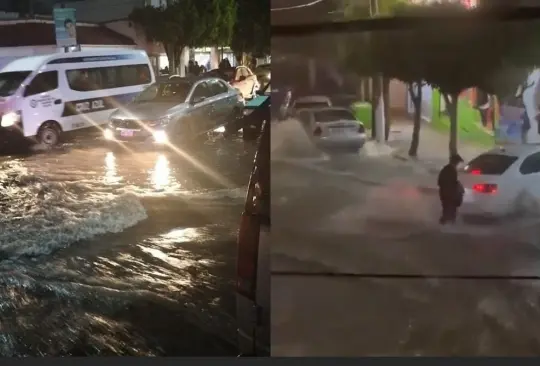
pixel 333 128
pixel 263 73
pixel 309 102
pixel 178 108
pixel 502 181
pixel 240 77
pixel 253 260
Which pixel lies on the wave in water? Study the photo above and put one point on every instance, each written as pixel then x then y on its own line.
pixel 39 217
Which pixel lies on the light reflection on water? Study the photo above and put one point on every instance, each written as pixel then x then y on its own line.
pixel 111 172
pixel 160 176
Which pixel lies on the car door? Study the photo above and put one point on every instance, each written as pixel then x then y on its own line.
pixel 252 79
pixel 223 104
pixel 200 116
pixel 242 82
pixel 42 100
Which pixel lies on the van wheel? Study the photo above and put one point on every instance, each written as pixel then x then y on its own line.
pixel 48 134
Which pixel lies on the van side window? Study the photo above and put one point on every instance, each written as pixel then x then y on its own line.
pixel 100 78
pixel 43 82
pixel 84 79
pixel 134 75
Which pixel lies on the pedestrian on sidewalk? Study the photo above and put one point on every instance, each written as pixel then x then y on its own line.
pixel 450 190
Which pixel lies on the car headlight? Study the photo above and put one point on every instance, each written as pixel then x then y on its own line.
pixel 163 121
pixel 160 137
pixel 11 118
pixel 108 134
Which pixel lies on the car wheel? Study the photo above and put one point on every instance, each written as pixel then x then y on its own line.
pixel 524 205
pixel 49 135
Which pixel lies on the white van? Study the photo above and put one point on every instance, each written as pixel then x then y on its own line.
pixel 45 95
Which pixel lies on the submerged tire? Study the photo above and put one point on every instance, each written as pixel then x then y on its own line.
pixel 49 134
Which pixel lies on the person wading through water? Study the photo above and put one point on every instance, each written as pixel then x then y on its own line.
pixel 450 190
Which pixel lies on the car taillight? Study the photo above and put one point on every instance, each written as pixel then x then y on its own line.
pixel 361 129
pixel 317 131
pixel 248 252
pixel 485 188
pixel 476 172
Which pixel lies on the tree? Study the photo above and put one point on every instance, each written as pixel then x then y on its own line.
pixel 354 9
pixel 494 57
pixel 181 24
pixel 251 32
pixel 400 57
pixel 220 15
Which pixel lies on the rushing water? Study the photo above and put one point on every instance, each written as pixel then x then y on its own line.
pixel 120 251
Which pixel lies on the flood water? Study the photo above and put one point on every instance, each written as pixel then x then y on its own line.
pixel 121 251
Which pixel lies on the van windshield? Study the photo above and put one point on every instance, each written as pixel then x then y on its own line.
pixel 166 92
pixel 10 81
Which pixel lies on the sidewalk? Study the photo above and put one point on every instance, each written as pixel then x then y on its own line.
pixel 433 147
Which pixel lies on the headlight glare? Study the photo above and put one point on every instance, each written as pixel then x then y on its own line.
pixel 11 118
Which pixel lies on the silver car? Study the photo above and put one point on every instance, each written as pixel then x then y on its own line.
pixel 333 128
pixel 175 109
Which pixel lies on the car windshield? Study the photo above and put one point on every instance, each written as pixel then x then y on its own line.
pixel 165 92
pixel 10 82
pixel 332 115
pixel 490 164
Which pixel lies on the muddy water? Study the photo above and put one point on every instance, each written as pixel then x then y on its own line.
pixel 112 251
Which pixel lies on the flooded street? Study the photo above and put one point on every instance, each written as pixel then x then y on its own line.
pixel 112 251
pixel 363 230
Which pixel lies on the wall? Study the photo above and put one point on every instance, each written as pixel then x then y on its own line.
pixel 398 97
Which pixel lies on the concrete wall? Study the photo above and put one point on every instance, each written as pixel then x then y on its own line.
pixel 398 97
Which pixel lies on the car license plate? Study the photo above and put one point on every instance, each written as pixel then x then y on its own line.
pixel 337 131
pixel 127 133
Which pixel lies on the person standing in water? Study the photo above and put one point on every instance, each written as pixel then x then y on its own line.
pixel 450 190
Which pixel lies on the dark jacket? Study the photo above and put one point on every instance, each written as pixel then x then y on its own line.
pixel 450 189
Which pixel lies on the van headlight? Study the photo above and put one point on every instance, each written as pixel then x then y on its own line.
pixel 10 119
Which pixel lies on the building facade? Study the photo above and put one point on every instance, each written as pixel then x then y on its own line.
pixel 28 37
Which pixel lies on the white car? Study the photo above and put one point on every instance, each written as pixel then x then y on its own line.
pixel 309 102
pixel 245 81
pixel 502 181
pixel 333 127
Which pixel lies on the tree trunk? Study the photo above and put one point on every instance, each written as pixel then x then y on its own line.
pixel 170 57
pixel 361 94
pixel 451 101
pixel 386 105
pixel 375 94
pixel 417 117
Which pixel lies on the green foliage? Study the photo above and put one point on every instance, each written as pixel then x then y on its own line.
pixel 180 24
pixel 220 18
pixel 251 33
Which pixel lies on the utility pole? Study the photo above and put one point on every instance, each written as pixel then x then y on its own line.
pixel 380 123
